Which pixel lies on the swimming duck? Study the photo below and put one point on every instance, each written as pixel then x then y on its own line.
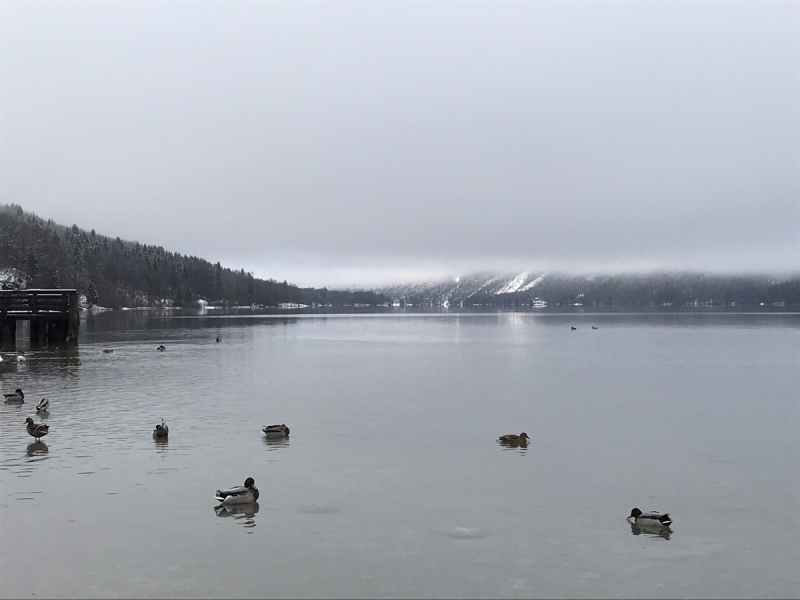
pixel 161 431
pixel 275 431
pixel 238 495
pixel 43 406
pixel 219 340
pixel 574 328
pixel 21 359
pixel 17 397
pixel 652 519
pixel 593 327
pixel 37 431
pixel 513 438
pixel 108 351
pixel 161 348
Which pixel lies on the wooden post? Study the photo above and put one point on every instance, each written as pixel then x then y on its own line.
pixel 9 334
pixel 74 318
pixel 35 332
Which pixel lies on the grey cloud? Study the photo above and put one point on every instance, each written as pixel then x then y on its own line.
pixel 355 137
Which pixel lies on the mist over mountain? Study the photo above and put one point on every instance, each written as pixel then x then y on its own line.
pixel 536 289
pixel 115 273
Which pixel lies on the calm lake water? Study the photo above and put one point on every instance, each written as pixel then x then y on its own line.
pixel 392 483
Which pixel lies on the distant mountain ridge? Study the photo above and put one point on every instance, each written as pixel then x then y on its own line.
pixel 531 288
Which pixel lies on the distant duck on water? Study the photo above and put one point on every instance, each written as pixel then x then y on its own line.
pixel 16 398
pixel 275 431
pixel 219 339
pixel 161 431
pixel 649 520
pixel 514 439
pixel 36 431
pixel 43 406
pixel 238 495
pixel 574 328
pixel 161 348
pixel 593 327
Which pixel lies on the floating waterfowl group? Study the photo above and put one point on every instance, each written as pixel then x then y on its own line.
pixel 36 430
pixel 652 521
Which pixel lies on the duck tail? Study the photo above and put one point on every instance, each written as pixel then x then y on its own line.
pixel 665 520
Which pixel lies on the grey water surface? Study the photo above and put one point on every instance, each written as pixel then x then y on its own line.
pixel 392 483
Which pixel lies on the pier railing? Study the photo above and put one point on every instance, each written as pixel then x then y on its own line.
pixel 53 315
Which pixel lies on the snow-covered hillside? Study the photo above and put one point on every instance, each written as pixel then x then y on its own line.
pixel 452 291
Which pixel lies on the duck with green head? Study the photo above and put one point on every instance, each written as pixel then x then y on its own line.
pixel 243 494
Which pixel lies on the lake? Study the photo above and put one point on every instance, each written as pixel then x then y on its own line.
pixel 392 483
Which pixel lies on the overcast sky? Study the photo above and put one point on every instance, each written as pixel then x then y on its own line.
pixel 338 143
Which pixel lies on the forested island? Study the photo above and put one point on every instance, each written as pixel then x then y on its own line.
pixel 115 273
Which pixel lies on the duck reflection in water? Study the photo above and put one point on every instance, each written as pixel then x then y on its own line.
pixel 246 513
pixel 276 443
pixel 664 533
pixel 36 448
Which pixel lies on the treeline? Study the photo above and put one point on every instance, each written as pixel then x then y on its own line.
pixel 117 273
pixel 650 290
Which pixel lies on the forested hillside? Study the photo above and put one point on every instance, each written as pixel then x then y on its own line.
pixel 652 289
pixel 117 273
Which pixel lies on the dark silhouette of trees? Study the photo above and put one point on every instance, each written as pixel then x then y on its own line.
pixel 131 274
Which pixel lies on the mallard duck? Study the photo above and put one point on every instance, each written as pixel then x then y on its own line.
pixel 17 397
pixel 161 348
pixel 513 438
pixel 43 406
pixel 161 431
pixel 651 520
pixel 275 431
pixel 239 495
pixel 37 431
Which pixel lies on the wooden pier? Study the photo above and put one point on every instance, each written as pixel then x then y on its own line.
pixel 53 316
